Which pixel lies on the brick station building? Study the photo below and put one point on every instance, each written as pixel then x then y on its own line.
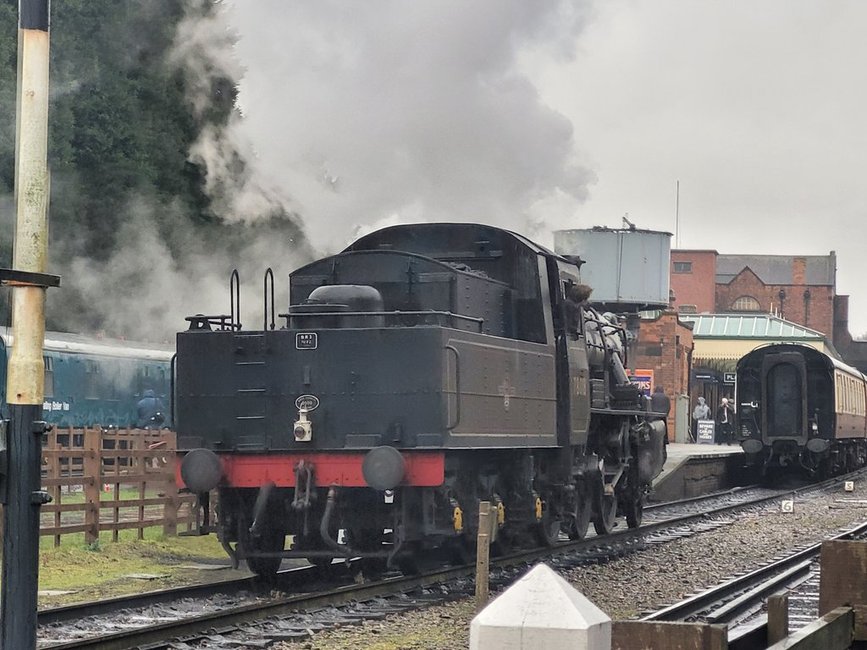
pixel 797 288
pixel 664 349
pixel 801 289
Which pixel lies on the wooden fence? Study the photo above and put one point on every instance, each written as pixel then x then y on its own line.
pixel 112 479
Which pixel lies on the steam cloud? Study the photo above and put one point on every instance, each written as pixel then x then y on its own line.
pixel 388 111
pixel 352 116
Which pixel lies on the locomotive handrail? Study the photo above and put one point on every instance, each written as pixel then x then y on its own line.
pixel 394 314
pixel 235 299
pixel 202 322
pixel 268 273
pixel 173 366
pixel 450 427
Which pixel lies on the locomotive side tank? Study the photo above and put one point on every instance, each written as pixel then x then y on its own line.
pixel 801 410
pixel 424 369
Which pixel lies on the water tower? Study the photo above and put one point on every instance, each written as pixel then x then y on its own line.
pixel 628 268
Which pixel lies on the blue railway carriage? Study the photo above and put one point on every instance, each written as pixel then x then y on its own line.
pixel 801 410
pixel 96 382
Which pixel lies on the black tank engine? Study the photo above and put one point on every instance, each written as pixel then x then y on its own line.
pixel 422 370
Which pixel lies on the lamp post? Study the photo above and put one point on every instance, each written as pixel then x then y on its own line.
pixel 21 443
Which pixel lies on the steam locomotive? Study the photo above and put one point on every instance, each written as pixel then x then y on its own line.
pixel 420 371
pixel 802 411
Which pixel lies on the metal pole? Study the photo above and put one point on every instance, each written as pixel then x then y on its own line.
pixel 677 214
pixel 25 372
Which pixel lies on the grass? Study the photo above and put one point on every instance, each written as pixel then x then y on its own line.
pixel 125 493
pixel 102 569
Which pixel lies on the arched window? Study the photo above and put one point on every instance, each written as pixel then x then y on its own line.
pixel 746 303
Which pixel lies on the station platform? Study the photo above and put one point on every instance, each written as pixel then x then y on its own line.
pixel 694 469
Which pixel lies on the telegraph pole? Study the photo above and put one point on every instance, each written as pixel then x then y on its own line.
pixel 21 444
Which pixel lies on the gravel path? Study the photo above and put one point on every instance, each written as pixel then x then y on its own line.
pixel 647 580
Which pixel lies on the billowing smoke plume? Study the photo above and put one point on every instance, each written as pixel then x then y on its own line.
pixel 149 260
pixel 351 116
pixel 385 111
pixel 204 51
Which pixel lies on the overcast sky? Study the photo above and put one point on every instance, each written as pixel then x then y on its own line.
pixel 552 114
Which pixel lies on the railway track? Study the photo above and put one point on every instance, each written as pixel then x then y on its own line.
pixel 724 603
pixel 297 615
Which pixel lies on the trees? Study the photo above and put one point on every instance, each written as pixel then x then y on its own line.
pixel 121 129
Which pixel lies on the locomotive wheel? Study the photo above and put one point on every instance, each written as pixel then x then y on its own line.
pixel 312 543
pixel 461 550
pixel 368 539
pixel 634 511
pixel 271 541
pixel 547 529
pixel 606 518
pixel 408 559
pixel 581 522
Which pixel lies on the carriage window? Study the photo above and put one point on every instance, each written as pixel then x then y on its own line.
pixel 49 376
pixel 845 394
pixel 838 399
pixel 91 380
pixel 851 393
pixel 849 401
pixel 848 394
pixel 784 394
pixel 846 401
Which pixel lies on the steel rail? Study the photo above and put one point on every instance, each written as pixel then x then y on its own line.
pixel 703 497
pixel 285 579
pixel 231 618
pixel 750 587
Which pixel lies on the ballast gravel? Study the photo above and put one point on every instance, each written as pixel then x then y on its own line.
pixel 661 574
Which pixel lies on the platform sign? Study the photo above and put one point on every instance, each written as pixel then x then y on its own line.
pixel 705 432
pixel 643 379
pixel 729 377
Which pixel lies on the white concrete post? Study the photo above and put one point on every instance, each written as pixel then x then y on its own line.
pixel 541 610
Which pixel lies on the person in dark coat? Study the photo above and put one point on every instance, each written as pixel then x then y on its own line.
pixel 659 402
pixel 576 299
pixel 725 421
pixel 150 411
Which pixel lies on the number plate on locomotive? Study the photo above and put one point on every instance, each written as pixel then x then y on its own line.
pixel 306 340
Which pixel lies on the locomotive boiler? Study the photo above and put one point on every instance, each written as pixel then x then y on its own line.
pixel 801 410
pixel 420 371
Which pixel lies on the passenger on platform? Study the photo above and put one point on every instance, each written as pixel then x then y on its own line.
pixel 576 299
pixel 700 412
pixel 725 420
pixel 659 403
pixel 150 411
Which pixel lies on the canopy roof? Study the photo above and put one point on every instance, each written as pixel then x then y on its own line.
pixel 748 326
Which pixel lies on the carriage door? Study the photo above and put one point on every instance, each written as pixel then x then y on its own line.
pixel 784 392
